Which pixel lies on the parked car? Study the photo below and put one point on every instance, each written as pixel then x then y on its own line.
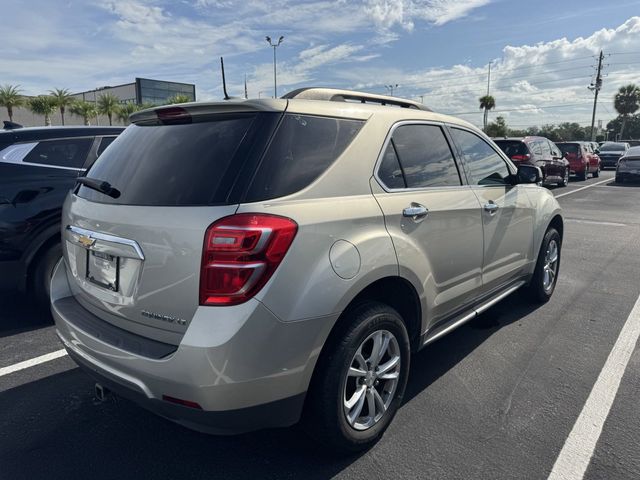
pixel 38 166
pixel 581 159
pixel 628 167
pixel 610 153
pixel 539 152
pixel 272 260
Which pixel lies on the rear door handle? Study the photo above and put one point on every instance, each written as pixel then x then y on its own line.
pixel 491 207
pixel 416 212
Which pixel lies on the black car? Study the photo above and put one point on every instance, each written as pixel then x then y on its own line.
pixel 38 166
pixel 628 168
pixel 610 153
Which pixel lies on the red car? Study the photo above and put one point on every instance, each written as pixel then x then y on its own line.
pixel 582 160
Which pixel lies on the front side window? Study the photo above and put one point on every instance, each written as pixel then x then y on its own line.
pixel 484 165
pixel 424 156
pixel 70 152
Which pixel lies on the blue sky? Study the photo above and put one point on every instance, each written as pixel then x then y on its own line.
pixel 542 52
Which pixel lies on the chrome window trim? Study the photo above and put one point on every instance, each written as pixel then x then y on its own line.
pixel 107 238
pixel 387 139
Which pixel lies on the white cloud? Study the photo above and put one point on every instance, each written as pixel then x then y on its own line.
pixel 388 13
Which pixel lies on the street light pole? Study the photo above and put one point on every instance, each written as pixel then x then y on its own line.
pixel 391 87
pixel 274 45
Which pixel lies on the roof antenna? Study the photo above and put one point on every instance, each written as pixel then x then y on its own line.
pixel 224 82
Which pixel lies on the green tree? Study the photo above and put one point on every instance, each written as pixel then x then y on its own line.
pixel 487 102
pixel 632 127
pixel 84 109
pixel 63 100
pixel 10 97
pixel 108 105
pixel 497 128
pixel 43 105
pixel 125 110
pixel 626 102
pixel 178 99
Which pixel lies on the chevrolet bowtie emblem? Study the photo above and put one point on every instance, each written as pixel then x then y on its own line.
pixel 86 241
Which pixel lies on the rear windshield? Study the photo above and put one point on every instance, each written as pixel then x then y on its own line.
pixel 568 147
pixel 612 147
pixel 512 147
pixel 171 164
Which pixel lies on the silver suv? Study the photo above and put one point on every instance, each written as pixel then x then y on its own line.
pixel 240 265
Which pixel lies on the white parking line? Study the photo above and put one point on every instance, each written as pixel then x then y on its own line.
pixel 578 449
pixel 583 188
pixel 32 362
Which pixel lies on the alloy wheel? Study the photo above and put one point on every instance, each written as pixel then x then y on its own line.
pixel 372 380
pixel 550 266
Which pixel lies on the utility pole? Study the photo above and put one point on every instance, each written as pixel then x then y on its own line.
pixel 596 88
pixel 391 87
pixel 421 98
pixel 274 45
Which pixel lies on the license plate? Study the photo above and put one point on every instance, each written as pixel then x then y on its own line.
pixel 103 270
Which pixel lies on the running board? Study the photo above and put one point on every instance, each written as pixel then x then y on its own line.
pixel 439 332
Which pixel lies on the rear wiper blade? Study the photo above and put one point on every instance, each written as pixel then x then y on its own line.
pixel 99 185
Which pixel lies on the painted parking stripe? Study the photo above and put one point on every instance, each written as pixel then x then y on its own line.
pixel 578 449
pixel 584 188
pixel 32 362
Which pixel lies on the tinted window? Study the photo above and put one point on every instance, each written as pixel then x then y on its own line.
pixel 484 164
pixel 190 164
pixel 302 149
pixel 390 172
pixel 568 148
pixel 425 156
pixel 104 143
pixel 535 148
pixel 612 147
pixel 512 147
pixel 70 152
pixel 554 149
pixel 544 145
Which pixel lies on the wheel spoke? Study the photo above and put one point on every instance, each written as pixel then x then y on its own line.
pixel 386 367
pixel 356 397
pixel 379 402
pixel 389 376
pixel 371 403
pixel 375 350
pixel 383 350
pixel 356 372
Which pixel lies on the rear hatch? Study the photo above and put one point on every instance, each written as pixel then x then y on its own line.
pixel 134 249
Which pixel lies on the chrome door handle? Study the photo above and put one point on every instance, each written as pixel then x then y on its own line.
pixel 416 211
pixel 491 207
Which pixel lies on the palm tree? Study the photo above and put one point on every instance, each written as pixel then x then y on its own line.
pixel 487 102
pixel 63 100
pixel 178 99
pixel 626 102
pixel 10 97
pixel 43 105
pixel 108 105
pixel 125 110
pixel 84 109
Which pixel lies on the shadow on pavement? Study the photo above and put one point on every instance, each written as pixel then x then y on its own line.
pixel 19 313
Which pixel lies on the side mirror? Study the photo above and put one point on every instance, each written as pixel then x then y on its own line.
pixel 529 174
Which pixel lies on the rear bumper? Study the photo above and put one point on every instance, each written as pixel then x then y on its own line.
pixel 245 368
pixel 609 162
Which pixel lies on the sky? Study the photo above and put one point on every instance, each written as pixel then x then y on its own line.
pixel 542 53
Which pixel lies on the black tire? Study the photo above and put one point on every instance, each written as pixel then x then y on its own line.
pixel 596 174
pixel 565 179
pixel 584 175
pixel 536 290
pixel 619 179
pixel 324 417
pixel 41 278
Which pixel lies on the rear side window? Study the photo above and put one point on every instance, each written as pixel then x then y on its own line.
pixel 70 152
pixel 546 150
pixel 188 164
pixel 425 156
pixel 390 172
pixel 535 148
pixel 303 148
pixel 485 166
pixel 568 148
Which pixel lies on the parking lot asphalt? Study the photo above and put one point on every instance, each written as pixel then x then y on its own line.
pixel 496 398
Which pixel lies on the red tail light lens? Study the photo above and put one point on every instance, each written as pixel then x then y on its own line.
pixel 240 254
pixel 521 158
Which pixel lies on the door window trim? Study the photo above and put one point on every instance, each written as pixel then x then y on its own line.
pixel 387 141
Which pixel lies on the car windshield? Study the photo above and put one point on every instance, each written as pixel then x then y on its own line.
pixel 568 147
pixel 612 147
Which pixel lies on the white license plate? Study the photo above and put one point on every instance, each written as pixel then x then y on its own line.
pixel 102 270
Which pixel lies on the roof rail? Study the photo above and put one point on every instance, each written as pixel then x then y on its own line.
pixel 337 95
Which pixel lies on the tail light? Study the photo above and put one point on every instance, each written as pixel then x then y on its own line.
pixel 240 254
pixel 521 158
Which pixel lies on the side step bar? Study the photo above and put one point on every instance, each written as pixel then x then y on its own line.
pixel 440 331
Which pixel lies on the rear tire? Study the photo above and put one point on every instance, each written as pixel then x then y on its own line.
pixel 619 179
pixel 41 280
pixel 565 179
pixel 540 289
pixel 584 175
pixel 328 417
pixel 596 174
